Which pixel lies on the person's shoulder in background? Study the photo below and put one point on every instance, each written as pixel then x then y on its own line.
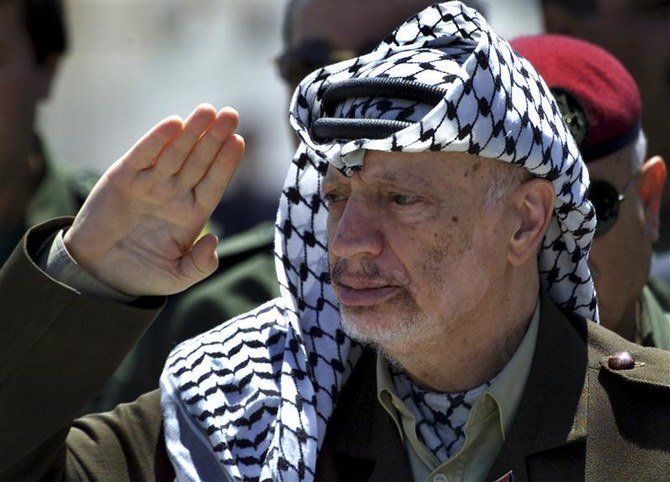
pixel 660 266
pixel 655 314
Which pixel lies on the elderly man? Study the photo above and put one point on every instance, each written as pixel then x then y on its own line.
pixel 601 104
pixel 436 211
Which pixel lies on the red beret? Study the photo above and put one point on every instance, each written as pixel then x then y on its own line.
pixel 597 96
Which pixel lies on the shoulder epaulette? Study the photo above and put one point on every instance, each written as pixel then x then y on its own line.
pixel 629 361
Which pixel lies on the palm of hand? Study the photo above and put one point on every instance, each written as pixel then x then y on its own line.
pixel 138 231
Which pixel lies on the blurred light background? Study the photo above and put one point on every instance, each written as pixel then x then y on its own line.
pixel 133 62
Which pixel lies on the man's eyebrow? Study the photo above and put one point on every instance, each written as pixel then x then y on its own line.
pixel 400 179
pixel 332 176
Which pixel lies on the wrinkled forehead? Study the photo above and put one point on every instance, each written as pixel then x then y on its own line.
pixel 414 169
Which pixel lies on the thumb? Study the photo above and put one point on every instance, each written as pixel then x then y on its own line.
pixel 201 261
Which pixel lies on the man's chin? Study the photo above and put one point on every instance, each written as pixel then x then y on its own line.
pixel 368 330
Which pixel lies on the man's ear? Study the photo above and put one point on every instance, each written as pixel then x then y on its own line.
pixel 533 205
pixel 652 181
pixel 559 20
pixel 48 71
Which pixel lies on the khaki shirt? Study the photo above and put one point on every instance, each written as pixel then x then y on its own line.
pixel 489 419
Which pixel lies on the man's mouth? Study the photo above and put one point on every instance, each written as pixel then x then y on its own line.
pixel 364 294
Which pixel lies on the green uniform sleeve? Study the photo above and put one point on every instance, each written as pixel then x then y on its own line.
pixel 57 350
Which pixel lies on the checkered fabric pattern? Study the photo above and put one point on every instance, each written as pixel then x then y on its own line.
pixel 441 417
pixel 251 399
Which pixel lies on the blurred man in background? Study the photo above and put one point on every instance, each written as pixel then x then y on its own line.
pixel 636 32
pixel 601 104
pixel 33 187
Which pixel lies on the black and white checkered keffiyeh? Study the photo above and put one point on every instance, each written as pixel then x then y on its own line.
pixel 250 400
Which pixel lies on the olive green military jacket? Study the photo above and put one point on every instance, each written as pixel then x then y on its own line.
pixel 578 419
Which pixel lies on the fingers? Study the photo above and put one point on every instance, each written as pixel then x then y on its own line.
pixel 198 155
pixel 174 155
pixel 145 151
pixel 208 146
pixel 209 190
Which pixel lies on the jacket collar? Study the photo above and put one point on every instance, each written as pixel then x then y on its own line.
pixel 363 443
pixel 553 408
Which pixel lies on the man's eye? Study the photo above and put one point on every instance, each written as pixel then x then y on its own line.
pixel 404 199
pixel 332 197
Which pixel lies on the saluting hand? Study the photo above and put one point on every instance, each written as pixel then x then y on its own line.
pixel 138 230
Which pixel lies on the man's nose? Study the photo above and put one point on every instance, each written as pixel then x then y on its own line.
pixel 358 230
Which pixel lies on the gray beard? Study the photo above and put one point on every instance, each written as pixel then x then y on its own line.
pixel 412 331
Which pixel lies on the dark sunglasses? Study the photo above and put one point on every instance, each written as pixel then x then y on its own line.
pixel 297 62
pixel 606 199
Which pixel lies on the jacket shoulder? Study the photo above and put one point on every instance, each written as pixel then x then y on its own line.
pixel 651 366
pixel 628 416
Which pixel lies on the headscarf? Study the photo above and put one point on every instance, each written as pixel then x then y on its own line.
pixel 251 399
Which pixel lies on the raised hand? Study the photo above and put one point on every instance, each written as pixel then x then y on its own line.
pixel 138 230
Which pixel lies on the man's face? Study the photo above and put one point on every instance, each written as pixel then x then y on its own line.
pixel 637 32
pixel 22 84
pixel 413 250
pixel 620 258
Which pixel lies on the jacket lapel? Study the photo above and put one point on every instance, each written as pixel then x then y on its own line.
pixel 547 438
pixel 362 443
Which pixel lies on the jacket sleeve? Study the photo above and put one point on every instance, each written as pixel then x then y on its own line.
pixel 57 349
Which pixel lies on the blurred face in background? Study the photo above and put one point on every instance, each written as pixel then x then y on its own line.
pixel 322 32
pixel 22 84
pixel 620 257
